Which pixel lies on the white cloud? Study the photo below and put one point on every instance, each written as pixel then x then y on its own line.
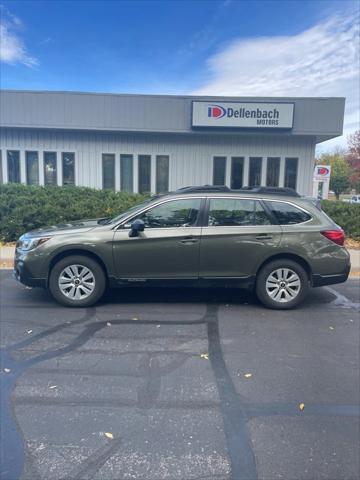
pixel 320 61
pixel 12 47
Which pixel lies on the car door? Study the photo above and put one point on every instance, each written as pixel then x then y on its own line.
pixel 167 248
pixel 239 235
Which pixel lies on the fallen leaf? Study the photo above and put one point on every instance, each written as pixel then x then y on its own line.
pixel 51 387
pixel 7 370
pixel 108 324
pixel 248 375
pixel 29 331
pixel 109 435
pixel 205 356
pixel 301 406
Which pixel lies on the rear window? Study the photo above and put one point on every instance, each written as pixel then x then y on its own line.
pixel 287 214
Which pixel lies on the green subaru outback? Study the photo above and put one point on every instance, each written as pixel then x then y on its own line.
pixel 267 239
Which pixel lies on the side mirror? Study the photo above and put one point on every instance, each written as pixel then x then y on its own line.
pixel 136 227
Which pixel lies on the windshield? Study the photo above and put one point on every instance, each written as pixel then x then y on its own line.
pixel 133 209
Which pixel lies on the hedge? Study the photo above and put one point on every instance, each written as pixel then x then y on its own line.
pixel 347 215
pixel 24 208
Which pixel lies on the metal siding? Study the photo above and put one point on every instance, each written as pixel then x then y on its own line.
pixel 191 157
pixel 320 117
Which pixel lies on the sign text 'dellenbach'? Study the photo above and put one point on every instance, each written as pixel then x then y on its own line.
pixel 242 115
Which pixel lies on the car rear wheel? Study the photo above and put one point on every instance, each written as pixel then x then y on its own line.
pixel 282 284
pixel 77 281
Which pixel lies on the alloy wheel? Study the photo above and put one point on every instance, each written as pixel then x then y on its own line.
pixel 283 285
pixel 76 282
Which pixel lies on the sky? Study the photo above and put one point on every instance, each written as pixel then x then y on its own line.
pixel 200 47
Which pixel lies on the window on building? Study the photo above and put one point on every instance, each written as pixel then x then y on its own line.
pixel 144 173
pixel 287 214
pixel 162 173
pixel 68 168
pixel 255 171
pixel 219 170
pixel 273 172
pixel 178 213
pixel 291 168
pixel 32 168
pixel 231 212
pixel 126 173
pixel 108 170
pixel 13 164
pixel 50 168
pixel 237 171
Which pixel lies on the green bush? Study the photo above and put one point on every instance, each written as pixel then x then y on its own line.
pixel 24 208
pixel 346 215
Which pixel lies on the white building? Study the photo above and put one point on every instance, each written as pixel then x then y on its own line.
pixel 154 143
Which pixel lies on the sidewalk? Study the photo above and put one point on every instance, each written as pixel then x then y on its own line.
pixel 7 256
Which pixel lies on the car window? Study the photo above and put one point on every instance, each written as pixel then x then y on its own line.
pixel 178 213
pixel 232 212
pixel 128 212
pixel 261 217
pixel 287 214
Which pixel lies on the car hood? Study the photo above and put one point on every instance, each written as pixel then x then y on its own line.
pixel 76 226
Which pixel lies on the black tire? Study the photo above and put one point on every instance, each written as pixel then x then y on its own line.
pixel 99 283
pixel 282 303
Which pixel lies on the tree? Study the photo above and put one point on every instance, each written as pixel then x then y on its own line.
pixel 353 159
pixel 340 171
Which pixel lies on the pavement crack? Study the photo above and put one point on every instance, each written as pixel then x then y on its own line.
pixel 242 458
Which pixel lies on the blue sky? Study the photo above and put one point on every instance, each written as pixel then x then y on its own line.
pixel 205 47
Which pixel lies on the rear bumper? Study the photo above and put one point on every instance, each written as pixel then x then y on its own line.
pixel 321 280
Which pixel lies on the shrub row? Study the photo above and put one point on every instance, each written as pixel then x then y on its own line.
pixel 346 215
pixel 24 208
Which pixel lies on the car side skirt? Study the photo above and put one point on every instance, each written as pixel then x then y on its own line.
pixel 218 282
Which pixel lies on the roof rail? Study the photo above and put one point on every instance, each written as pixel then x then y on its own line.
pixel 204 188
pixel 289 192
pixel 256 189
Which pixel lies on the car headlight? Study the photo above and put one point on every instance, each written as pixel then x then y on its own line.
pixel 31 243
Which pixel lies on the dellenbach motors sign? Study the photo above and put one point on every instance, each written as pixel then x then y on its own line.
pixel 242 115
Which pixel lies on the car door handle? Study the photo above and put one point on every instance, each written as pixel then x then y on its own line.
pixel 189 240
pixel 263 236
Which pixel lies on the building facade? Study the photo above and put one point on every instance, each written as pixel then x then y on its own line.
pixel 153 143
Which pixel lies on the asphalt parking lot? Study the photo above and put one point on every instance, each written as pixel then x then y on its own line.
pixel 179 384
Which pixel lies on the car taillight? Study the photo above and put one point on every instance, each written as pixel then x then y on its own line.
pixel 336 236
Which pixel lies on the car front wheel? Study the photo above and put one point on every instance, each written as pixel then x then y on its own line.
pixel 282 284
pixel 77 281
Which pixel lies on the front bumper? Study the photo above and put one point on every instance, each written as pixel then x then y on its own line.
pixel 23 273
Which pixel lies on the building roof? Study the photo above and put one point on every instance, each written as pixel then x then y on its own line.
pixel 321 118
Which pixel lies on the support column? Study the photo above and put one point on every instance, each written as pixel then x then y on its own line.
pixel 263 171
pixel 246 172
pixel 22 167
